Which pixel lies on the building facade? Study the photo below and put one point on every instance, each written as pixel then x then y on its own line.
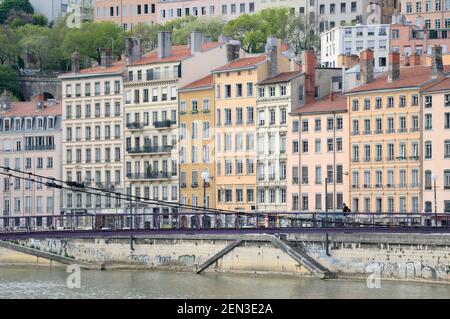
pixel 92 146
pixel 432 14
pixel 352 40
pixel 196 113
pixel 151 112
pixel 414 43
pixel 436 144
pixel 386 125
pixel 127 13
pixel 319 158
pixel 59 8
pixel 30 140
pixel 276 97
pixel 322 13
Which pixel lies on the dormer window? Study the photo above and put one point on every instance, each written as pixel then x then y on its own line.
pixel 40 124
pixel 17 125
pixel 29 124
pixel 50 123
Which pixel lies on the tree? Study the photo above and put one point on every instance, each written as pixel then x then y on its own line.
pixel 40 19
pixel 9 80
pixel 7 7
pixel 9 48
pixel 302 35
pixel 148 34
pixel 35 43
pixel 212 27
pixel 253 30
pixel 92 37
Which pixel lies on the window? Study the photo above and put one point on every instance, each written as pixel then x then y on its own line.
pixel 428 150
pixel 428 122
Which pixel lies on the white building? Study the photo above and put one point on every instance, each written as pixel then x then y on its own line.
pixel 351 40
pixel 53 9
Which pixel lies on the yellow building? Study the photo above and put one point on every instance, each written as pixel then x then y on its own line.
pixel 235 116
pixel 385 118
pixel 196 114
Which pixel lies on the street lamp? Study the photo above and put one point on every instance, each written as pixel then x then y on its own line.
pixel 434 178
pixel 205 177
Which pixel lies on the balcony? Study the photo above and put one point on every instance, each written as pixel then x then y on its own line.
pixel 414 158
pixel 135 126
pixel 414 129
pixel 355 186
pixel 402 130
pixel 163 124
pixel 39 147
pixel 402 158
pixel 149 149
pixel 390 131
pixel 366 186
pixel 151 176
pixel 194 185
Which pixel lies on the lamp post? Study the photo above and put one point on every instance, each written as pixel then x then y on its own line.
pixel 326 194
pixel 205 177
pixel 434 177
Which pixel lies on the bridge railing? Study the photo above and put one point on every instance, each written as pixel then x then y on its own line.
pixel 217 220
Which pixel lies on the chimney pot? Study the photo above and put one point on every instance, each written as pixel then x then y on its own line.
pixel 366 66
pixel 132 49
pixel 164 44
pixel 271 52
pixel 233 48
pixel 196 42
pixel 75 62
pixel 309 68
pixel 394 66
pixel 106 58
pixel 437 67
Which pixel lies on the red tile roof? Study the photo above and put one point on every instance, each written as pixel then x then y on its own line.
pixel 207 81
pixel 242 63
pixel 179 53
pixel 409 77
pixel 324 105
pixel 29 109
pixel 442 85
pixel 281 77
pixel 117 66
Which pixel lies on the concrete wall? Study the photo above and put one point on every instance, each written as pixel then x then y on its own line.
pixel 397 256
pixel 10 257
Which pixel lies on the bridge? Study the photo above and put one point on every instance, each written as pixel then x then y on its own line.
pixel 194 223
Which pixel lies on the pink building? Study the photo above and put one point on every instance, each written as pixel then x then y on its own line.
pixel 319 160
pixel 414 42
pixel 432 14
pixel 128 13
pixel 30 140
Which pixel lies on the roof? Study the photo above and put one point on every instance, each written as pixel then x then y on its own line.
pixel 178 53
pixel 243 63
pixel 206 82
pixel 281 77
pixel 443 85
pixel 409 77
pixel 96 70
pixel 29 109
pixel 323 105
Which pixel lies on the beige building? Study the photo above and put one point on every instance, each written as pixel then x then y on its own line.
pixel 151 111
pixel 30 140
pixel 92 146
pixel 436 144
pixel 387 120
pixel 127 13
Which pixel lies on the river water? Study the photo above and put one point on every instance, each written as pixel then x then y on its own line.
pixel 51 283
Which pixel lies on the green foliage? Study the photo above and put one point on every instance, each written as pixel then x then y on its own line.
pixel 9 80
pixel 9 50
pixel 253 30
pixel 211 27
pixel 7 7
pixel 148 34
pixel 92 37
pixel 302 35
pixel 39 19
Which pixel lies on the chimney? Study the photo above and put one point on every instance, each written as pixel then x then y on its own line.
pixel 75 62
pixel 366 61
pixel 196 42
pixel 106 58
pixel 233 48
pixel 394 66
pixel 132 50
pixel 164 44
pixel 271 52
pixel 437 67
pixel 5 101
pixel 309 68
pixel 347 60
